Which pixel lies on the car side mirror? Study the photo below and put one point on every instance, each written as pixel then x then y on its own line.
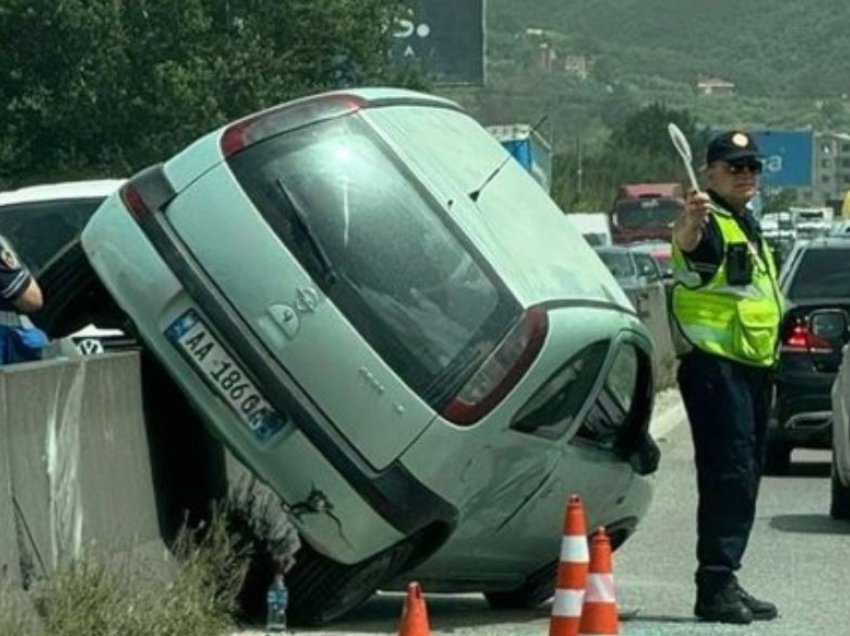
pixel 831 324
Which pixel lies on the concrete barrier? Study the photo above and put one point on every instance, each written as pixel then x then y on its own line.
pixel 10 571
pixel 78 461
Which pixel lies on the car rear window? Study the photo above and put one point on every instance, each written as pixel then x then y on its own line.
pixel 39 230
pixel 821 273
pixel 401 272
pixel 637 213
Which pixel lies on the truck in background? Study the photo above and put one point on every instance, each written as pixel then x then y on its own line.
pixel 529 148
pixel 646 211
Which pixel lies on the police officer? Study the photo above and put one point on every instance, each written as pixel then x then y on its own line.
pixel 19 294
pixel 726 309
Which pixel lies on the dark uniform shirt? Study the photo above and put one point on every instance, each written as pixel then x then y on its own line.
pixel 15 277
pixel 707 256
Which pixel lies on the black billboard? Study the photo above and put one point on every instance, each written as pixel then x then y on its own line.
pixel 446 37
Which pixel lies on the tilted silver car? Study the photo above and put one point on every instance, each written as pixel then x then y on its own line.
pixel 391 324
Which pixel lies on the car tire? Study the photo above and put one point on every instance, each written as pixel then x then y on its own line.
pixel 778 459
pixel 537 589
pixel 839 505
pixel 322 590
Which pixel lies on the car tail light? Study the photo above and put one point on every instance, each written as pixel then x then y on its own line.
pixel 133 200
pixel 147 192
pixel 255 128
pixel 798 338
pixel 501 371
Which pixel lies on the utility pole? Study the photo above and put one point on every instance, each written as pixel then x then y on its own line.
pixel 578 168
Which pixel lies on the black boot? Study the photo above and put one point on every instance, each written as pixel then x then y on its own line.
pixel 761 610
pixel 718 600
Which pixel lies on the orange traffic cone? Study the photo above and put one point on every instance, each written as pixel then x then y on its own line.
pixel 414 615
pixel 599 614
pixel 572 572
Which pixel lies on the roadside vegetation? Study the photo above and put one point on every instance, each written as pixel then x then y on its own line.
pixel 638 55
pixel 217 577
pixel 103 88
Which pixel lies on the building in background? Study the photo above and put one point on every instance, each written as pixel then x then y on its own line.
pixel 577 65
pixel 831 171
pixel 715 86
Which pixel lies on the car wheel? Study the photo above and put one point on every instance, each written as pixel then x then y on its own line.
pixel 839 507
pixel 778 460
pixel 322 590
pixel 537 589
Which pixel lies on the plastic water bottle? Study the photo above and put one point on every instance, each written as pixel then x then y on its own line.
pixel 277 598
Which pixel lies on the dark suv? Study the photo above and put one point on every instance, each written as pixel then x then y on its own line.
pixel 815 281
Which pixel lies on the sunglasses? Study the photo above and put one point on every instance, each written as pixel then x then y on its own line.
pixel 738 167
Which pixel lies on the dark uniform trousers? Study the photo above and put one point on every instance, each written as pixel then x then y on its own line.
pixel 728 407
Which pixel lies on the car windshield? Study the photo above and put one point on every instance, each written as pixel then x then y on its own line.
pixel 620 264
pixel 646 266
pixel 665 263
pixel 39 230
pixel 656 212
pixel 342 203
pixel 822 273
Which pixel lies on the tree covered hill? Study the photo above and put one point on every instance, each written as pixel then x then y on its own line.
pixel 789 61
pixel 766 47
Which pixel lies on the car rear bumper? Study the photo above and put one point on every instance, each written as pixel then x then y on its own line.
pixel 802 411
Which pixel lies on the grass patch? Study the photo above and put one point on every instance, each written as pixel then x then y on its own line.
pixel 222 569
pixel 17 615
pixel 93 597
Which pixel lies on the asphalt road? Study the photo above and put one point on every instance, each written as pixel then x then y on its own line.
pixel 798 557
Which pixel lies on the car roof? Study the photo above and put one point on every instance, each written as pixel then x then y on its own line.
pixel 614 249
pixel 651 246
pixel 96 188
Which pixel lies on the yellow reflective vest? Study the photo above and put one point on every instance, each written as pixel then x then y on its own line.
pixel 739 322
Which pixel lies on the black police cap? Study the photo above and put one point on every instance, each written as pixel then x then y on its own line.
pixel 732 146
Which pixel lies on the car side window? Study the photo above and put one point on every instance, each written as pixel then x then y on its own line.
pixel 552 409
pixel 611 409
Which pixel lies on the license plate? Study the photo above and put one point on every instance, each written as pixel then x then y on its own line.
pixel 192 337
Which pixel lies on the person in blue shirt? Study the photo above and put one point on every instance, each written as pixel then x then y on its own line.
pixel 20 294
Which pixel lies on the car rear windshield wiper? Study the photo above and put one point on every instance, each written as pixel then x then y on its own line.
pixel 328 274
pixel 477 192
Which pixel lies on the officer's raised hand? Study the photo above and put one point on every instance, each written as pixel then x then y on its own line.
pixel 687 230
